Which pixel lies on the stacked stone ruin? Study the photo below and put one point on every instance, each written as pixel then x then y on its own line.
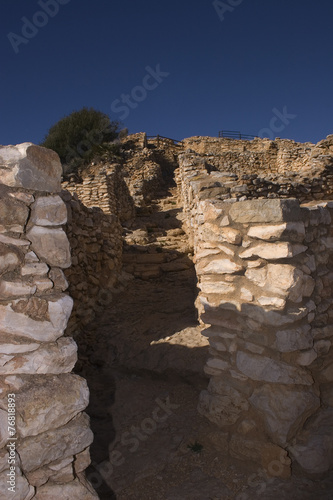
pixel 265 274
pixel 258 216
pixel 50 434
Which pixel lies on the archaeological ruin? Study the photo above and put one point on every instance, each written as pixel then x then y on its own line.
pixel 208 259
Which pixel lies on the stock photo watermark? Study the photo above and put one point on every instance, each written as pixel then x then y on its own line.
pixel 132 440
pixel 31 27
pixel 277 124
pixel 260 480
pixel 127 102
pixel 225 7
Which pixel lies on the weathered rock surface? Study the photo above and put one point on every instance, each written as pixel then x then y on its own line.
pixel 268 370
pixel 284 410
pixel 53 358
pixel 48 330
pixel 70 491
pixel 53 445
pixel 60 398
pixel 314 447
pixel 48 211
pixel 51 245
pixel 30 167
pixel 268 211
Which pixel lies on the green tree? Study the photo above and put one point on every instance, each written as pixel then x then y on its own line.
pixel 80 135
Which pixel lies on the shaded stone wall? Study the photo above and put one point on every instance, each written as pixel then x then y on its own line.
pixel 49 436
pixel 96 205
pixel 264 269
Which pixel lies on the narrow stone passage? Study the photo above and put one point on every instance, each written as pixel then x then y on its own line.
pixel 143 359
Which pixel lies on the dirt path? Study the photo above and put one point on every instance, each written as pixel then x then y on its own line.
pixel 143 359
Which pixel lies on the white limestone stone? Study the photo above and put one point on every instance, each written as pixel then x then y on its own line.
pixel 284 409
pixel 296 339
pixel 30 167
pixel 53 358
pixel 19 324
pixel 55 444
pixel 35 269
pixel 306 358
pixel 295 231
pixel 221 266
pixel 49 211
pixel 273 251
pixel 13 289
pixel 266 369
pixel 51 245
pixel 8 262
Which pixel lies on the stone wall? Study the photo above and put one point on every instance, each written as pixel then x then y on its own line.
pixel 265 269
pixel 46 449
pixel 96 204
pixel 264 168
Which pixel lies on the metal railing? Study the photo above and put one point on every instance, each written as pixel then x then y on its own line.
pixel 232 134
pixel 160 139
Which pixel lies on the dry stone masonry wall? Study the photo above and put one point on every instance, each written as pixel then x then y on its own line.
pixel 96 207
pixel 51 430
pixel 265 269
pixel 264 168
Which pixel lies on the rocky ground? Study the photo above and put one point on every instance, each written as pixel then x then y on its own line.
pixel 143 359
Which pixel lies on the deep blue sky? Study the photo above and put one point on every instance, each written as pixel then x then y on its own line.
pixel 227 74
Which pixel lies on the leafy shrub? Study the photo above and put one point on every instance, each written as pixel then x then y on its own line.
pixel 82 135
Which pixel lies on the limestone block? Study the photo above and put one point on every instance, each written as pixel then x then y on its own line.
pixel 322 347
pixel 12 211
pixel 13 289
pixel 17 242
pixel 273 458
pixel 212 232
pixel 266 369
pixel 8 262
pixel 48 402
pixel 21 323
pixel 10 345
pixel 273 251
pixel 51 245
pixel 284 410
pixel 24 197
pixel 223 409
pixel 219 266
pixel 314 447
pixel 306 358
pixel 296 339
pixel 220 287
pixel 56 444
pixel 60 469
pixel 43 284
pixel 30 167
pixel 275 302
pixel 218 364
pixel 210 210
pixel 282 279
pixel 58 357
pixel 82 461
pixel 270 317
pixel 267 211
pixel 23 490
pixel 31 257
pixel 49 211
pixel 69 491
pixel 246 295
pixel 59 279
pixel 295 231
pixel 34 269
